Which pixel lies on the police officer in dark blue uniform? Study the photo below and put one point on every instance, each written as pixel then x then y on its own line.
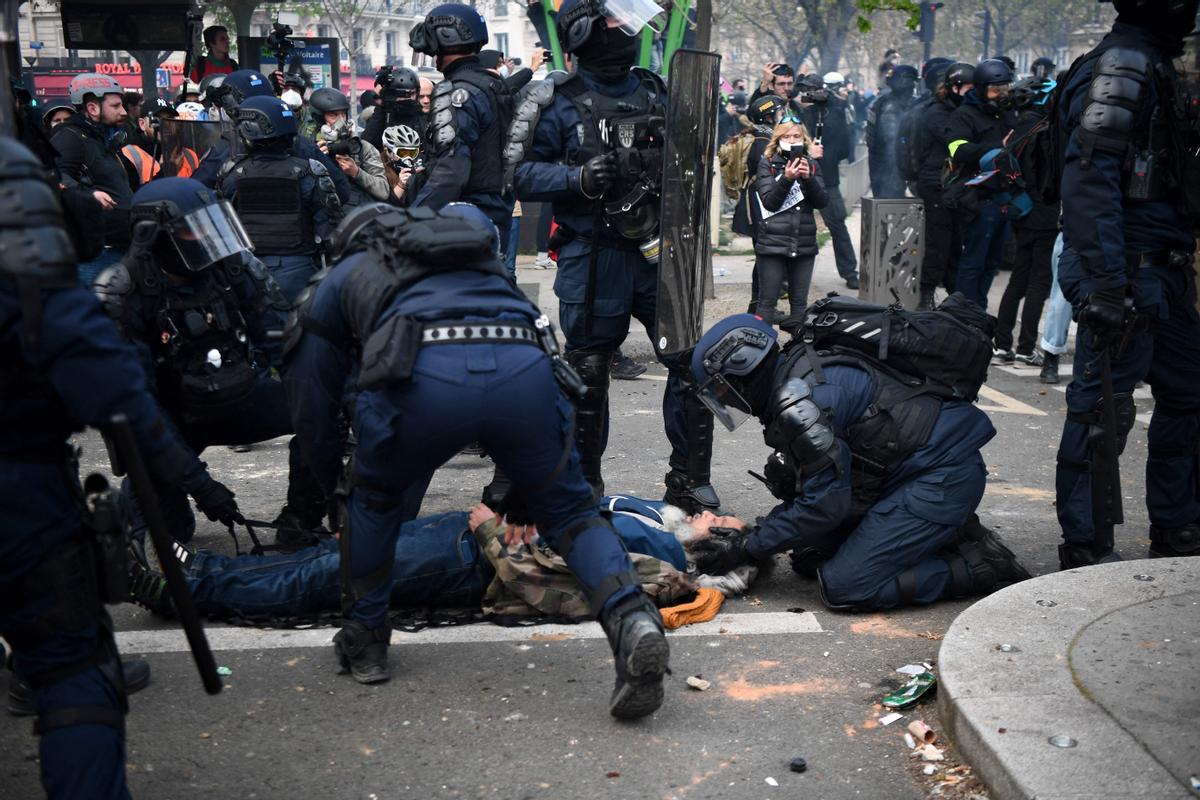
pixel 227 96
pixel 1130 211
pixel 879 485
pixel 591 142
pixel 469 117
pixel 287 203
pixel 450 352
pixel 207 320
pixel 63 366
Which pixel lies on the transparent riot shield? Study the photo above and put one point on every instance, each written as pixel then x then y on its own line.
pixel 184 143
pixel 690 153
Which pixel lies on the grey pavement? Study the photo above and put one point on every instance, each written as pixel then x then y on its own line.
pixel 1080 684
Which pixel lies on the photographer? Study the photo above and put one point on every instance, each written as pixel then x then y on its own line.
pixel 398 104
pixel 336 138
pixel 402 146
pixel 788 187
pixel 777 79
pixel 827 114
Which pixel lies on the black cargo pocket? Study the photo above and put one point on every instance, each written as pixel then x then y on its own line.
pixel 390 352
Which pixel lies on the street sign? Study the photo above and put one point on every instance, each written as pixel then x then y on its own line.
pixel 36 45
pixel 31 60
pixel 162 78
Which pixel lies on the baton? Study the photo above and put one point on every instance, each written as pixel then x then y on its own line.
pixel 589 297
pixel 127 459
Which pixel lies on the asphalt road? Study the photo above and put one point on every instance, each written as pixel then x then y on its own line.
pixel 489 712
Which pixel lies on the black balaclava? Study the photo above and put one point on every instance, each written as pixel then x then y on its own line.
pixel 756 387
pixel 609 53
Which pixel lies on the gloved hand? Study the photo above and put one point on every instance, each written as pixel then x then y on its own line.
pixel 717 555
pixel 216 501
pixel 781 479
pixel 597 175
pixel 1104 310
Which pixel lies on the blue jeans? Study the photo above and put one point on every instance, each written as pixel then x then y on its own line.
pixel 40 513
pixel 1057 319
pixel 510 251
pixel 437 565
pixel 904 531
pixel 90 270
pixel 983 252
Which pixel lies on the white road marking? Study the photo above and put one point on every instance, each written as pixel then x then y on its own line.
pixel 237 638
pixel 1002 403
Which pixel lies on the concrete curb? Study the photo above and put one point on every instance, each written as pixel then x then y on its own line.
pixel 1000 707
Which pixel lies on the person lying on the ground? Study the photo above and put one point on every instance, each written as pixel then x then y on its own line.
pixel 457 560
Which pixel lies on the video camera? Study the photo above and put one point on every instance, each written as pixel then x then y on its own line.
pixel 812 90
pixel 279 43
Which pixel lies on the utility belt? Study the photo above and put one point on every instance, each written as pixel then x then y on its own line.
pixel 564 235
pixel 1173 259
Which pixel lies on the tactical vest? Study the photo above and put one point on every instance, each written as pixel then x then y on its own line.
pixel 203 361
pixel 487 156
pixel 270 203
pixel 896 424
pixel 34 421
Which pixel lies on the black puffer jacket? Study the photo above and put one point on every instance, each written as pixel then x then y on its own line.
pixel 792 232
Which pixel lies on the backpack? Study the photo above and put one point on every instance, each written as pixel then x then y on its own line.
pixel 947 349
pixel 908 145
pixel 733 156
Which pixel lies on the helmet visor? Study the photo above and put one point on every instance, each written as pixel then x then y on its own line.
pixel 209 234
pixel 634 15
pixel 719 397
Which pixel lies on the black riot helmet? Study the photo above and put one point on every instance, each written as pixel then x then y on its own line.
pixel 958 74
pixel 933 70
pixel 903 79
pixel 766 110
pixel 604 35
pixel 1172 18
pixel 992 72
pixel 186 226
pixel 1043 68
pixel 328 99
pixel 448 29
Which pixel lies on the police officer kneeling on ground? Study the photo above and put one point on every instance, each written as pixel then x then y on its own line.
pixel 450 352
pixel 63 366
pixel 591 142
pixel 879 484
pixel 356 157
pixel 1131 208
pixel 286 202
pixel 202 311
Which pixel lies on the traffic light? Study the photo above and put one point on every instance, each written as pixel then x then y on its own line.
pixel 928 21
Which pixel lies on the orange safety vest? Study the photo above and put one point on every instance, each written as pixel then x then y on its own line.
pixel 145 166
pixel 188 163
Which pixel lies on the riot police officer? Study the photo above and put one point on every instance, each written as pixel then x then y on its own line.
pixel 879 485
pixel 63 366
pixel 287 203
pixel 206 318
pixel 448 352
pixel 1130 212
pixel 469 118
pixel 883 128
pixel 591 142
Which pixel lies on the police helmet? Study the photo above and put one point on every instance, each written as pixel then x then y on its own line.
pixel 192 227
pixel 577 19
pixel 364 217
pixel 766 109
pixel 471 214
pixel 93 85
pixel 958 74
pixel 328 99
pixel 932 71
pixel 1043 67
pixel 262 118
pixel 33 240
pixel 902 75
pixel 730 350
pixel 992 72
pixel 240 85
pixel 1174 16
pixel 449 28
pixel 402 141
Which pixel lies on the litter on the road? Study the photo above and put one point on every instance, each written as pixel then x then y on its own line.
pixel 698 683
pixel 888 719
pixel 772 782
pixel 931 753
pixel 798 764
pixel 909 741
pixel 913 690
pixel 224 671
pixel 922 732
pixel 913 669
pixel 929 769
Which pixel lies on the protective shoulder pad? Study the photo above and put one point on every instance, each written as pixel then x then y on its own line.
pixel 531 102
pixel 34 246
pixel 799 427
pixel 317 168
pixel 114 287
pixel 295 328
pixel 443 123
pixel 266 288
pixel 653 78
pixel 1115 101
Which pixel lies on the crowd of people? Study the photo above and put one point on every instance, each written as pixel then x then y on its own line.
pixel 257 260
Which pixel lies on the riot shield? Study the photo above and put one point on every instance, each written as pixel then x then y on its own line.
pixel 183 143
pixel 685 256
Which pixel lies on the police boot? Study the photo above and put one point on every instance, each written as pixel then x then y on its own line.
pixel 20 695
pixel 639 644
pixel 295 530
pixel 1049 373
pixel 1071 556
pixel 1175 542
pixel 591 413
pixel 927 301
pixel 980 563
pixel 692 491
pixel 362 651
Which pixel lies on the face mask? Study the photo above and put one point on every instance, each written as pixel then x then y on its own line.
pixel 503 71
pixel 609 54
pixel 786 147
pixel 334 131
pixel 293 99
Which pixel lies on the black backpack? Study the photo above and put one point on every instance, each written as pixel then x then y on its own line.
pixel 948 348
pixel 908 145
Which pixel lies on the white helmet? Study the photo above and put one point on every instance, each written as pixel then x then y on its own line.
pixel 400 138
pixel 191 110
pixel 834 79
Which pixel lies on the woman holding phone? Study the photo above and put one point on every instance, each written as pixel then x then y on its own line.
pixel 788 187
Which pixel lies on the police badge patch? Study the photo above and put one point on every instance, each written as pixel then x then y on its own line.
pixel 459 98
pixel 625 134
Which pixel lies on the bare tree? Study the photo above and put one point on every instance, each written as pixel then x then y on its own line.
pixel 348 16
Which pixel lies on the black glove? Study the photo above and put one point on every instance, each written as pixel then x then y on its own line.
pixel 1104 310
pixel 597 175
pixel 217 503
pixel 718 555
pixel 780 478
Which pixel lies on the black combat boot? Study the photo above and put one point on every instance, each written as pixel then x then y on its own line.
pixel 980 563
pixel 1071 556
pixel 635 632
pixel 591 413
pixel 1175 542
pixel 20 695
pixel 296 530
pixel 1049 368
pixel 692 490
pixel 362 651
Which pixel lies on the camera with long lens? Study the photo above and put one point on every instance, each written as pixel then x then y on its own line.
pixel 279 43
pixel 344 146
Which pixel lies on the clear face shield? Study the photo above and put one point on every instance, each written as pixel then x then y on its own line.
pixel 209 234
pixel 726 404
pixel 634 15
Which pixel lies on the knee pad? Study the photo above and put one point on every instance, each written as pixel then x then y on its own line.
pixel 830 593
pixel 1125 413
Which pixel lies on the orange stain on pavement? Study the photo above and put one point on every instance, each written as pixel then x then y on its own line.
pixel 742 689
pixel 879 625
